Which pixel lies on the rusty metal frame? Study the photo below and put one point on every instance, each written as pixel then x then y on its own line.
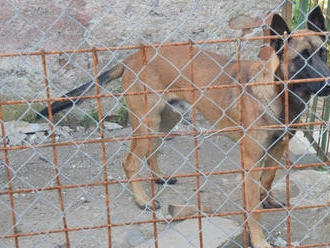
pixel 102 140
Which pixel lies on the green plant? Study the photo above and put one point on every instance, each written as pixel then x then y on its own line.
pixel 300 11
pixel 123 113
pixel 21 112
pixel 89 119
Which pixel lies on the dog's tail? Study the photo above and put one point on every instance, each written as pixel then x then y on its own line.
pixel 104 78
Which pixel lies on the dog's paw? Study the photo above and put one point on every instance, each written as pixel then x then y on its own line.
pixel 263 245
pixel 149 207
pixel 270 202
pixel 171 180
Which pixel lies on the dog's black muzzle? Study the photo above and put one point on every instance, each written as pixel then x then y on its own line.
pixel 326 90
pixel 317 67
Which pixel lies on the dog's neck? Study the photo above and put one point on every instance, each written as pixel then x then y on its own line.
pixel 297 100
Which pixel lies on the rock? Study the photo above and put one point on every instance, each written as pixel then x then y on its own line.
pixel 280 242
pixel 36 138
pixel 186 210
pixel 16 139
pixel 64 132
pixel 243 22
pixel 80 129
pixel 24 127
pixel 111 125
pixel 134 237
pixel 299 144
pixel 312 187
pixel 19 132
pixel 216 231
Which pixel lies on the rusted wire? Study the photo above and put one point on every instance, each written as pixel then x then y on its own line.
pixel 136 47
pixel 162 135
pixel 206 173
pixel 104 154
pixel 163 92
pixel 8 175
pixel 196 150
pixel 54 148
pixel 150 136
pixel 287 137
pixel 144 62
pixel 162 220
pixel 242 145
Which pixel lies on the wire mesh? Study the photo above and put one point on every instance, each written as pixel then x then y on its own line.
pixel 67 189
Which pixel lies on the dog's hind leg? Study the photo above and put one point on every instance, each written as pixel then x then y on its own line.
pixel 139 150
pixel 131 164
pixel 267 176
pixel 169 118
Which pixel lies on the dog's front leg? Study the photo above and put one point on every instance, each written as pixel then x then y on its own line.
pixel 272 159
pixel 251 159
pixel 139 149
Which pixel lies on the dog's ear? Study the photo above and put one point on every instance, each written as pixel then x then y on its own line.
pixel 316 21
pixel 270 59
pixel 278 27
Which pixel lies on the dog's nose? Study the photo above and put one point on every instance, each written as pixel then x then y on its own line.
pixel 326 90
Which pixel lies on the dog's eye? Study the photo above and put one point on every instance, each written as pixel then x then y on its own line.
pixel 322 52
pixel 305 53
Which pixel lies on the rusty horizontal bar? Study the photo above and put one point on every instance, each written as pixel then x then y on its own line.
pixel 95 96
pixel 75 229
pixel 156 45
pixel 313 245
pixel 161 135
pixel 142 179
pixel 194 133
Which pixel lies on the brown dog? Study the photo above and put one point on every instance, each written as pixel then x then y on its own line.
pixel 170 68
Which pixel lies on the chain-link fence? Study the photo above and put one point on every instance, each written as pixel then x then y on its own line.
pixel 211 91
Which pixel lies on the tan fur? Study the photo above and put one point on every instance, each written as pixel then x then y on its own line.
pixel 170 68
pixel 176 67
pixel 299 44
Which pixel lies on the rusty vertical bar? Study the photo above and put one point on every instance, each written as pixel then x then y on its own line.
pixel 149 160
pixel 321 131
pixel 198 184
pixel 104 155
pixel 287 138
pixel 51 128
pixel 242 144
pixel 9 178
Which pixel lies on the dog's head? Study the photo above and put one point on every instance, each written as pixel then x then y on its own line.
pixel 307 55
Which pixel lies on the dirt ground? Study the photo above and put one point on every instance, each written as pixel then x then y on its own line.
pixel 34 25
pixel 85 206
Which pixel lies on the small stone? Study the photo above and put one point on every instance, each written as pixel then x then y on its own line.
pixel 244 22
pixel 280 242
pixel 25 127
pixel 16 139
pixel 134 237
pixel 111 125
pixel 168 216
pixel 64 131
pixel 83 199
pixel 80 129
